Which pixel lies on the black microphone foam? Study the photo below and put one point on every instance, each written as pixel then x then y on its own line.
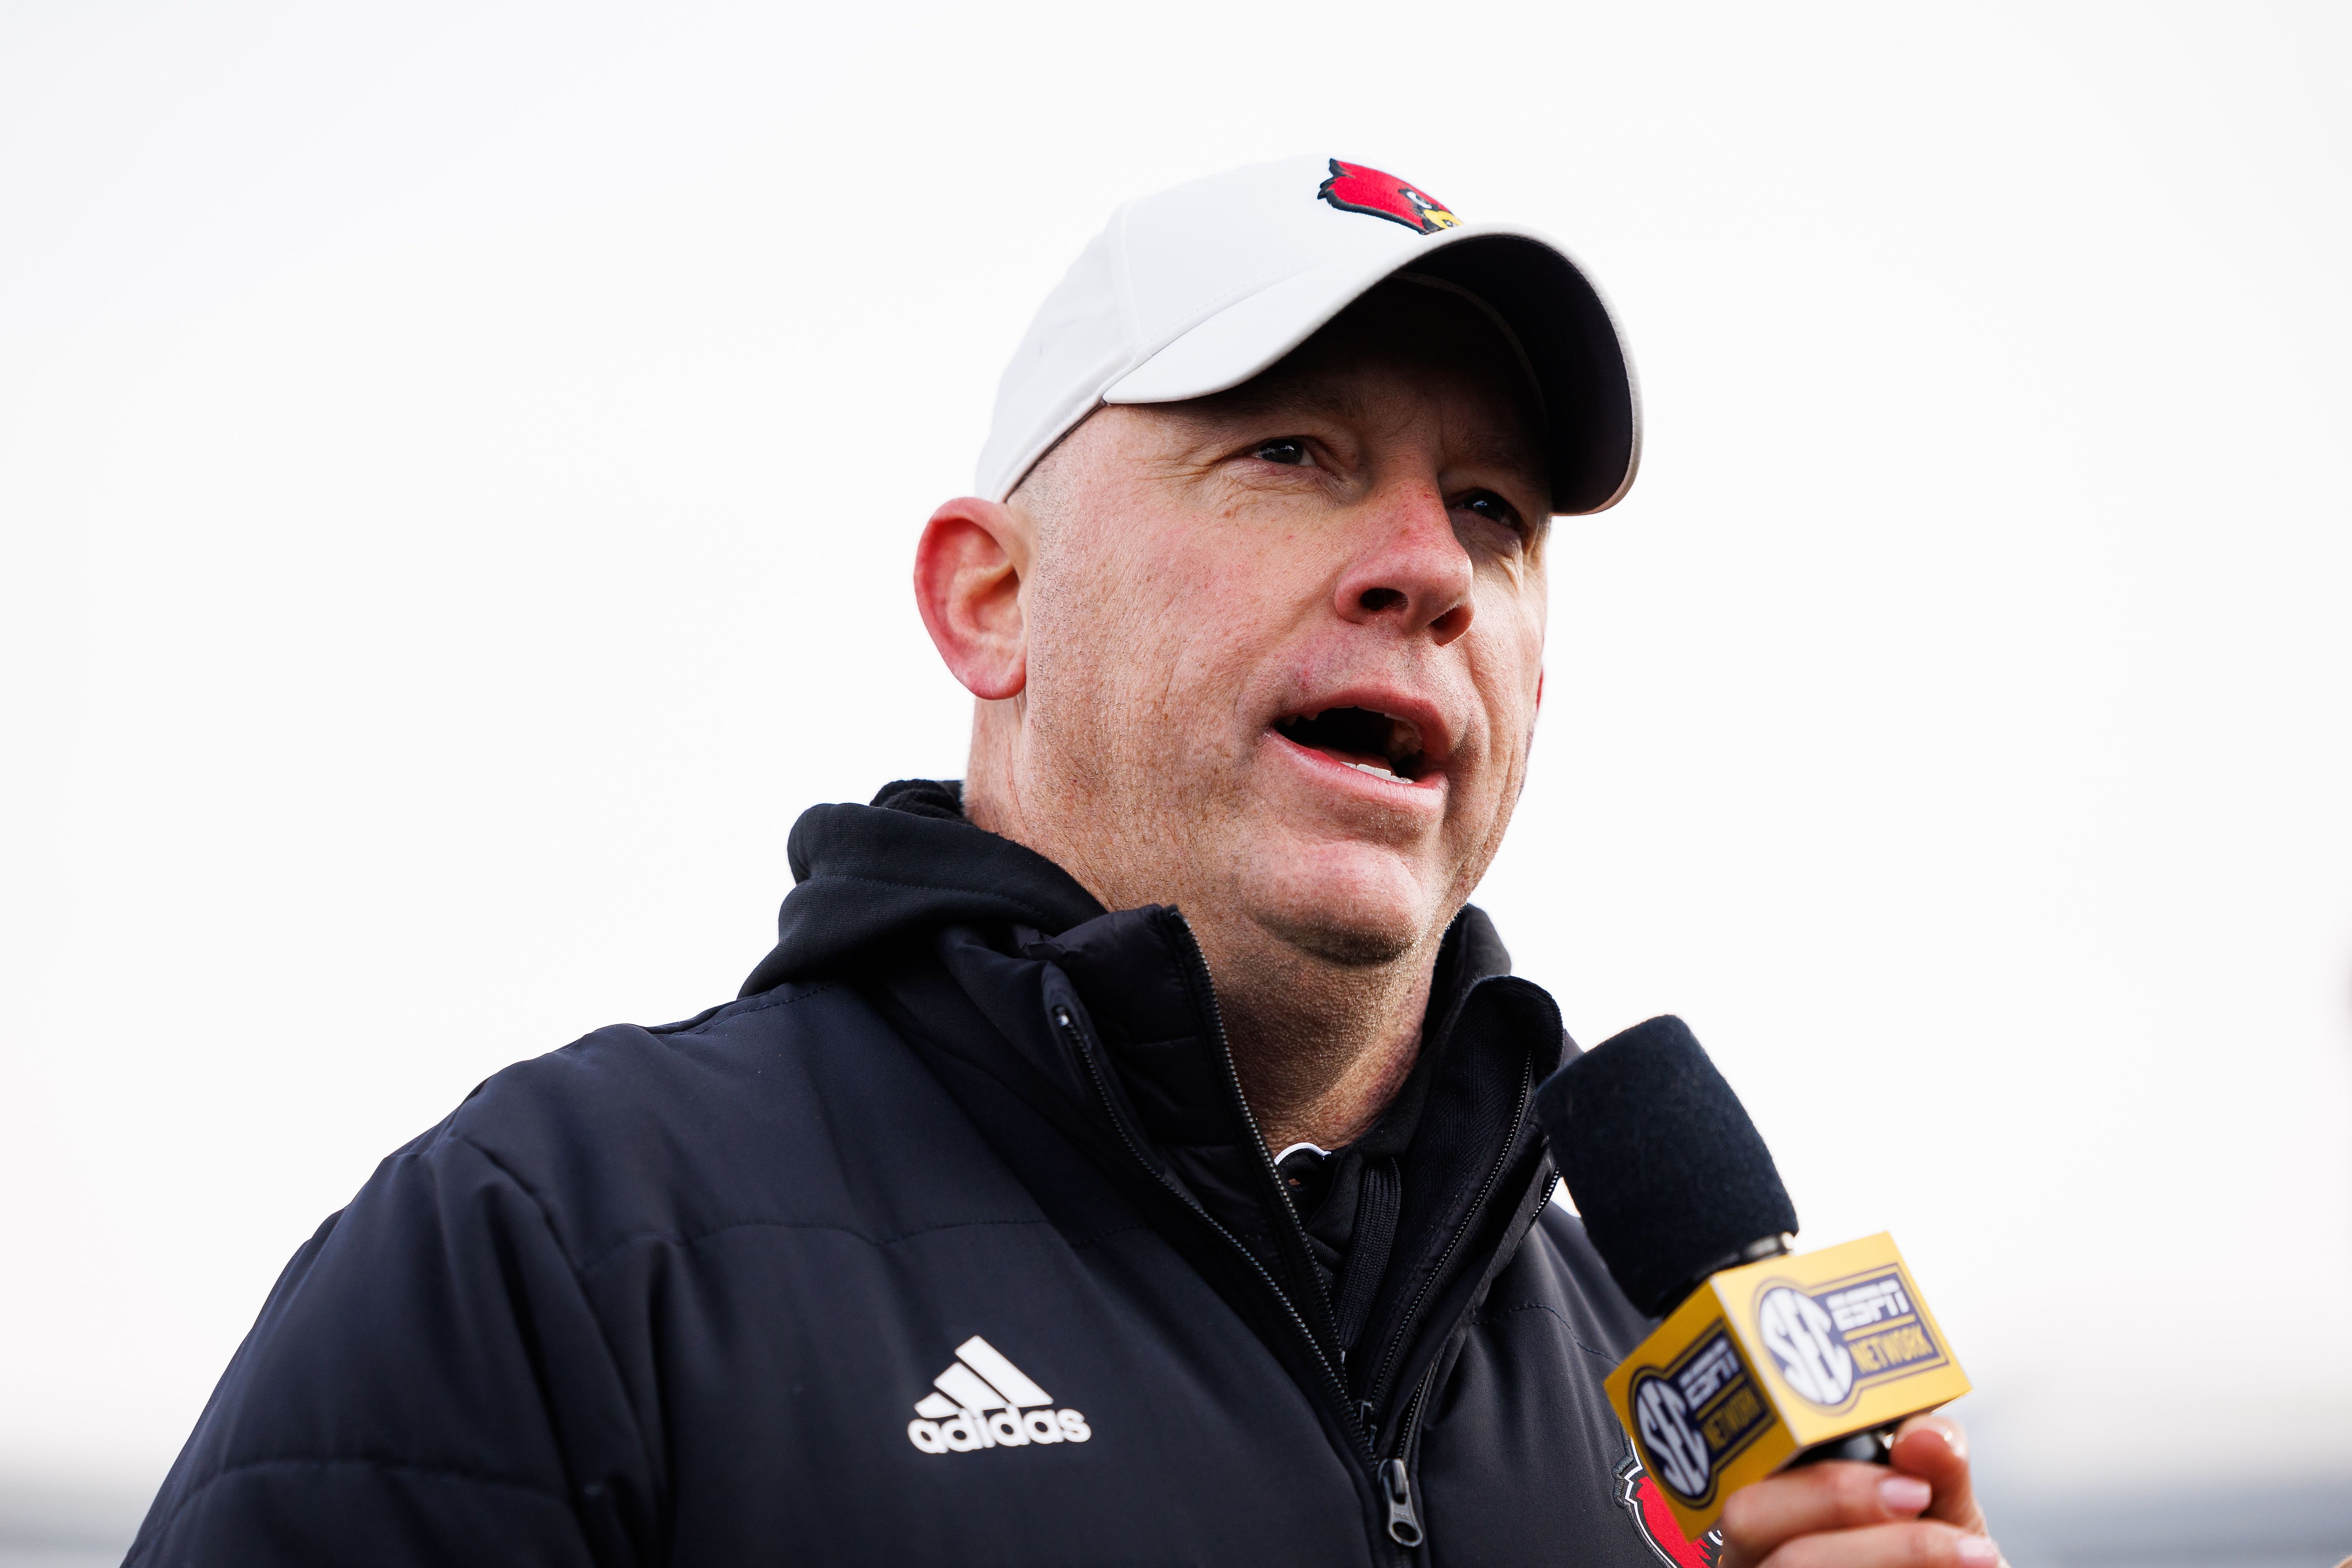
pixel 1671 1177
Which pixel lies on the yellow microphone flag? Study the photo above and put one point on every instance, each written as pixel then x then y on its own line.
pixel 1768 1358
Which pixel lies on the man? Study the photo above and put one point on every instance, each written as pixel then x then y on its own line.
pixel 1124 1157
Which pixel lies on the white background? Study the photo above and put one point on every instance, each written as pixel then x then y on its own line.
pixel 459 467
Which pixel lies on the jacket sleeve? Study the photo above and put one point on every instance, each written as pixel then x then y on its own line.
pixel 427 1383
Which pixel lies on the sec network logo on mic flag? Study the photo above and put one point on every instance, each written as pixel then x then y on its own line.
pixel 1832 1341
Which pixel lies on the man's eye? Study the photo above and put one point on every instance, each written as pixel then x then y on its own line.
pixel 1491 507
pixel 1288 450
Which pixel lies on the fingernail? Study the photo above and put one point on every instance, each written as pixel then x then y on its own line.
pixel 1903 1494
pixel 1977 1552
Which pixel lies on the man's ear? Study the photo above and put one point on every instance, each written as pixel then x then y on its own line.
pixel 967 573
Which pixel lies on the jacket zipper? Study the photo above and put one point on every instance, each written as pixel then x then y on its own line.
pixel 1396 1477
pixel 1404 1524
pixel 1332 1385
pixel 1405 1520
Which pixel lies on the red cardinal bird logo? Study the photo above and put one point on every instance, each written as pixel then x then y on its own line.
pixel 1353 188
pixel 1656 1522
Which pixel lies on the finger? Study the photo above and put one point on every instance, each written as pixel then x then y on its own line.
pixel 1934 1449
pixel 1834 1496
pixel 1915 1543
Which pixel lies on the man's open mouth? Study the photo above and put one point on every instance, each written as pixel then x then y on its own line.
pixel 1382 746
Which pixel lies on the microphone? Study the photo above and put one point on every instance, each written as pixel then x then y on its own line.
pixel 1766 1359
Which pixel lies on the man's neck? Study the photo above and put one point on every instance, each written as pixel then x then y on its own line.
pixel 1320 1047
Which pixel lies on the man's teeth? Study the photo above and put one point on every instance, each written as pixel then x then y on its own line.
pixel 1357 736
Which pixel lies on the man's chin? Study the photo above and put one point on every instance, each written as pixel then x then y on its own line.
pixel 1349 945
pixel 1355 909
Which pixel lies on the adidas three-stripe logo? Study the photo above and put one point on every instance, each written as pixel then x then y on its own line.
pixel 983 1401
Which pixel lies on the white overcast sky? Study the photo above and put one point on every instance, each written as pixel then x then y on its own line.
pixel 458 467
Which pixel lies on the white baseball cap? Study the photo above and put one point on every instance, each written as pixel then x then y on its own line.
pixel 1198 289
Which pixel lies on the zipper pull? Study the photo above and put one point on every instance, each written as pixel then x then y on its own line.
pixel 1404 1525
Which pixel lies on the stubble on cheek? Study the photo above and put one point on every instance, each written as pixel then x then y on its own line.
pixel 1130 750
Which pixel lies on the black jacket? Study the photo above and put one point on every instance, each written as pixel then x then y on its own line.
pixel 950 1241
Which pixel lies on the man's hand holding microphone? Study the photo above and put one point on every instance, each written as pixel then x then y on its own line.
pixel 1917 1510
pixel 1783 1398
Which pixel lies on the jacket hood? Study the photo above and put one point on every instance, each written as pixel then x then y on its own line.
pixel 868 876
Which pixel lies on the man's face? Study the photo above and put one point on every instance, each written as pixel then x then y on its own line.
pixel 1284 644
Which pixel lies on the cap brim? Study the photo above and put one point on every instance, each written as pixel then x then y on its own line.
pixel 1591 402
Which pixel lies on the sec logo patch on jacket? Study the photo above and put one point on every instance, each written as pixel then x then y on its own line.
pixel 1642 1498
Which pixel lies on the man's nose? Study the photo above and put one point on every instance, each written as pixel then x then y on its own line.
pixel 1412 567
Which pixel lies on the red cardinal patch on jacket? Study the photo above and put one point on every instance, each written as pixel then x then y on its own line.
pixel 1656 1522
pixel 1353 188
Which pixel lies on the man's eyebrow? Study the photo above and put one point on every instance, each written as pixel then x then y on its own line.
pixel 1266 395
pixel 1502 443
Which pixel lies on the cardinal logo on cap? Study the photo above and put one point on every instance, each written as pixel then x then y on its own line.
pixel 1353 188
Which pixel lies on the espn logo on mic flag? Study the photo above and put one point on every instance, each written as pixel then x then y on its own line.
pixel 1774 1357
